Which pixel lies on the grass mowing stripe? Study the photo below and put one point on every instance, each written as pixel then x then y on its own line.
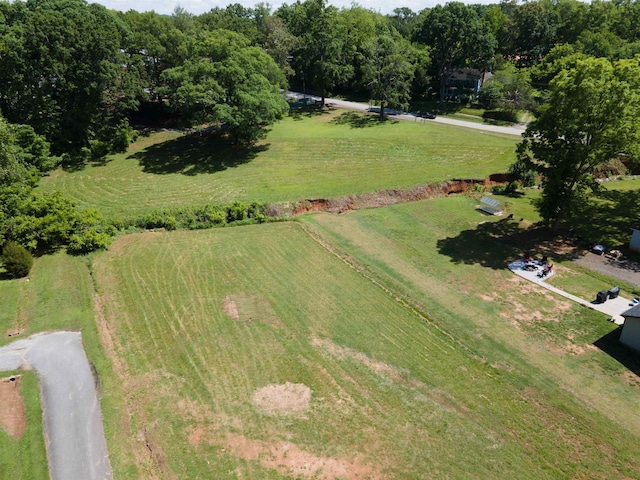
pixel 405 234
pixel 311 158
pixel 404 398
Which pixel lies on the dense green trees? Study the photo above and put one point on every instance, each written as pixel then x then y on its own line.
pixel 35 221
pixel 320 56
pixel 388 70
pixel 227 84
pixel 592 116
pixel 61 71
pixel 459 38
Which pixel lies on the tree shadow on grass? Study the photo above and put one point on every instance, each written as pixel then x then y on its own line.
pixel 358 120
pixel 493 244
pixel 308 111
pixel 195 154
pixel 607 217
pixel 610 344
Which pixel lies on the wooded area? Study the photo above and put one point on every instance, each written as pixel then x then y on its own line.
pixel 76 77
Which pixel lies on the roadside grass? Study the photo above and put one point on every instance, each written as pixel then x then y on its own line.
pixel 26 457
pixel 58 295
pixel 309 156
pixel 419 359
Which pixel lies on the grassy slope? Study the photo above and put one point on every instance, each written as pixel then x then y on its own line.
pixel 473 390
pixel 430 253
pixel 25 457
pixel 303 158
pixel 58 296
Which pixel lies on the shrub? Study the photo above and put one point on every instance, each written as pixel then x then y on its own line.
pixel 88 241
pixel 17 260
pixel 237 211
pixel 611 168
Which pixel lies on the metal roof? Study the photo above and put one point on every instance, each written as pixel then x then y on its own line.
pixel 633 311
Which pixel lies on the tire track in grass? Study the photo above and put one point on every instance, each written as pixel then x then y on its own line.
pixel 396 296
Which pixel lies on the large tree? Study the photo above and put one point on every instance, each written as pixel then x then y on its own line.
pixel 321 57
pixel 388 70
pixel 458 38
pixel 61 70
pixel 592 116
pixel 228 84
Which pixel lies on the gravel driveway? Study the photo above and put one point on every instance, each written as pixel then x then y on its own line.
pixel 623 270
pixel 74 438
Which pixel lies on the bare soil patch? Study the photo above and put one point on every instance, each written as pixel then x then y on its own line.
pixel 291 460
pixel 247 307
pixel 386 197
pixel 13 411
pixel 288 398
pixel 230 308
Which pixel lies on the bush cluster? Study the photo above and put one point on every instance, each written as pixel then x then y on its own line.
pixel 16 259
pixel 195 218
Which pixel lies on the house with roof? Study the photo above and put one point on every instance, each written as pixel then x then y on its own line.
pixel 630 335
pixel 464 83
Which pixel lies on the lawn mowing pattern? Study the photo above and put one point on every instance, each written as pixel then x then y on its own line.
pixel 538 339
pixel 390 390
pixel 300 158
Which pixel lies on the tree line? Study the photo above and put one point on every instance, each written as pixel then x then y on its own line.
pixel 75 74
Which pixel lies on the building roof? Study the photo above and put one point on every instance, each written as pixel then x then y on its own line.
pixel 633 311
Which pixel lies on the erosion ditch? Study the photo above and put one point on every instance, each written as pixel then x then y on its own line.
pixel 386 197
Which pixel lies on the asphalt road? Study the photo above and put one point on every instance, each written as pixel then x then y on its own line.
pixel 74 437
pixel 412 117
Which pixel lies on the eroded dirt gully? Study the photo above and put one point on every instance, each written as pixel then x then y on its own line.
pixel 382 198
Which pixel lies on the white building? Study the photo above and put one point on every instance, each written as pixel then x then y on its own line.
pixel 630 335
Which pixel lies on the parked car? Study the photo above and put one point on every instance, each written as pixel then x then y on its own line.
pixel 428 115
pixel 598 249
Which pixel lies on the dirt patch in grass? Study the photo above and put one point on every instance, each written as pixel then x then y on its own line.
pixel 289 459
pixel 14 333
pixel 13 411
pixel 246 307
pixel 287 399
pixel 230 308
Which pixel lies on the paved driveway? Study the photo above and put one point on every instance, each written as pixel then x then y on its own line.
pixel 74 437
pixel 363 107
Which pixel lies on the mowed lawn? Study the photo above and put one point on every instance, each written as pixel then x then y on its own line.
pixel 382 352
pixel 307 157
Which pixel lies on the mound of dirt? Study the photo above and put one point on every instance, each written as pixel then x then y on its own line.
pixel 287 399
pixel 13 411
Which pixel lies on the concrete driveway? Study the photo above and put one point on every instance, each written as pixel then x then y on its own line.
pixel 74 438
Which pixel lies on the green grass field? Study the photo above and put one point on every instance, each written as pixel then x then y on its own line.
pixel 423 359
pixel 383 343
pixel 301 158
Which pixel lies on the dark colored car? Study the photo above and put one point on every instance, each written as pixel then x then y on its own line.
pixel 428 115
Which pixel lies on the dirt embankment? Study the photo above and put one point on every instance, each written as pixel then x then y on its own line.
pixel 388 197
